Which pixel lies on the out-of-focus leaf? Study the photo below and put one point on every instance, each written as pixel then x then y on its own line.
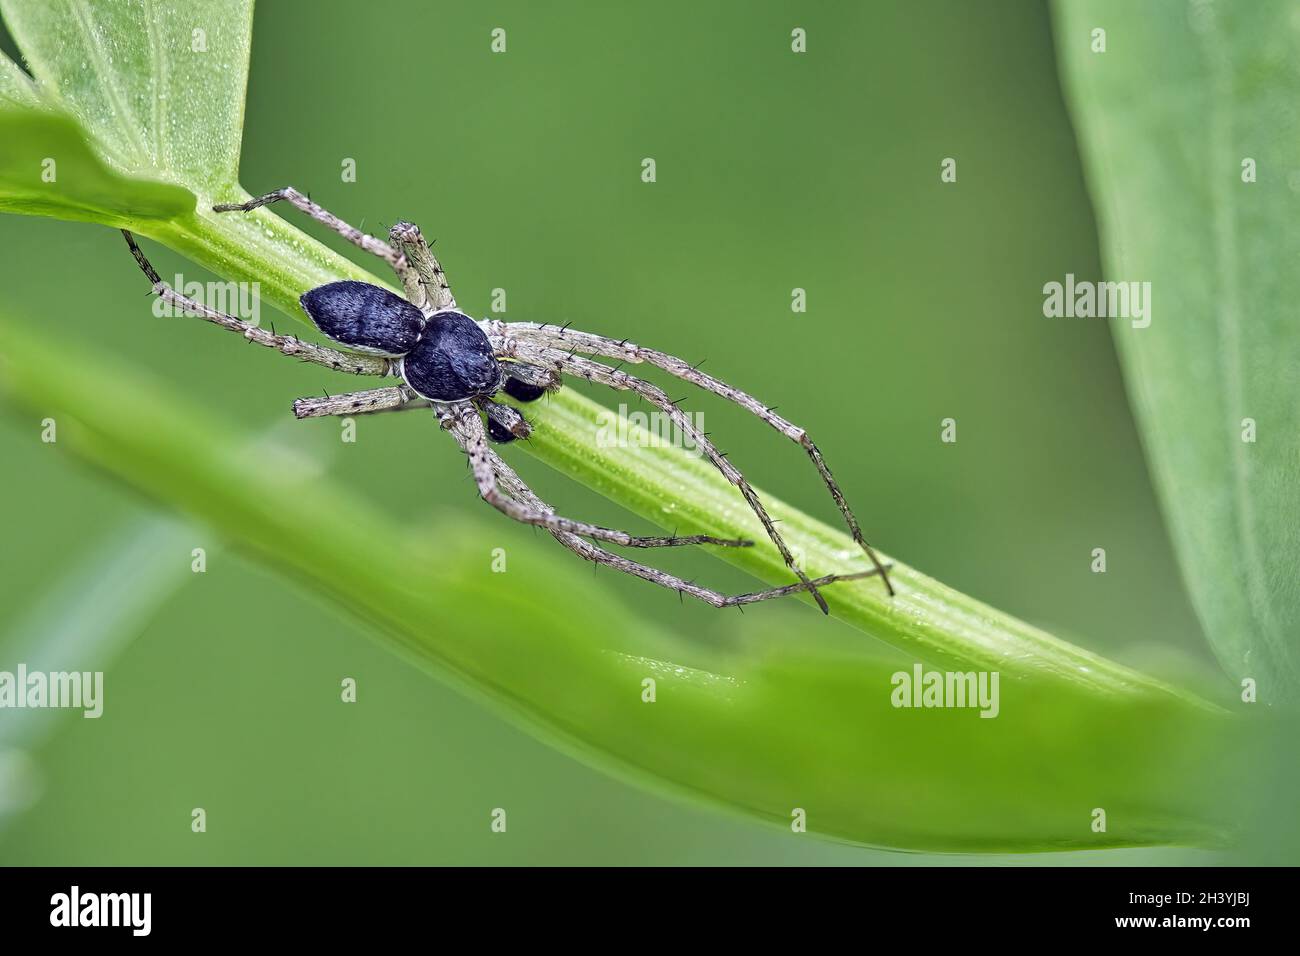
pixel 48 169
pixel 1190 129
pixel 764 736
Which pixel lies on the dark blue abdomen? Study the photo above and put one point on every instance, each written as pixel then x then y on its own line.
pixel 364 317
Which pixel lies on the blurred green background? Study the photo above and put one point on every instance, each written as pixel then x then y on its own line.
pixel 774 171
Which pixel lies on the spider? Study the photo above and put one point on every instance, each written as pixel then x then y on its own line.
pixel 448 362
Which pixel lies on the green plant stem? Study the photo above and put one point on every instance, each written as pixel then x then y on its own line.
pixel 677 490
pixel 258 247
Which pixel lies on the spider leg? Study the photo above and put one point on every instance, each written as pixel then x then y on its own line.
pixel 370 244
pixel 350 362
pixel 568 339
pixel 394 398
pixel 464 423
pixel 614 378
pixel 400 398
pixel 425 282
pixel 517 489
pixel 531 375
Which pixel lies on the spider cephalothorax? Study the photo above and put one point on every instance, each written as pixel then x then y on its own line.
pixel 447 361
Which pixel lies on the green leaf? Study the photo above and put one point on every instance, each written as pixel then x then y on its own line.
pixel 161 82
pixel 761 734
pixel 141 105
pixel 16 88
pixel 1168 116
pixel 758 734
pixel 40 144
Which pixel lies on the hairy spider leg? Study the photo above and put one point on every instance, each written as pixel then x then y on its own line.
pixel 514 486
pixel 376 247
pixel 391 398
pixel 617 379
pixel 571 339
pixel 524 383
pixel 463 419
pixel 349 362
pixel 426 285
